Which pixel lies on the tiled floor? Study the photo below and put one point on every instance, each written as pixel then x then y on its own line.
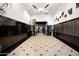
pixel 42 45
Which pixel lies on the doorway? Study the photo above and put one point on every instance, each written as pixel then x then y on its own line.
pixel 41 27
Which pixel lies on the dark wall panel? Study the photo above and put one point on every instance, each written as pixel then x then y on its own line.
pixel 10 30
pixel 68 31
pixel 49 29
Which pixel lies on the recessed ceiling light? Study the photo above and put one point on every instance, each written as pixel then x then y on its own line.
pixel 40 9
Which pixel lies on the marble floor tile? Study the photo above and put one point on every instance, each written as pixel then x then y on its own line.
pixel 43 45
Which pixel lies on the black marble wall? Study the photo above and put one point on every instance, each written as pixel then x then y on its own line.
pixel 10 27
pixel 68 31
pixel 49 29
pixel 12 31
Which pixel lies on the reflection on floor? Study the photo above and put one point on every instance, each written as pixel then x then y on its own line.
pixel 42 45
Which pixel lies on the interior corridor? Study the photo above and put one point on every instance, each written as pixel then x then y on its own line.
pixel 39 29
pixel 43 45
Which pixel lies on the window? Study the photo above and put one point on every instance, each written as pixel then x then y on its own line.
pixel 58 19
pixel 65 15
pixel 70 11
pixel 62 14
pixel 77 5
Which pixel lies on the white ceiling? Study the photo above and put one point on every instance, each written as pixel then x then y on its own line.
pixel 51 9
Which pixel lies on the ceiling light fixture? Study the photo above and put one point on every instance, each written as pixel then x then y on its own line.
pixel 40 9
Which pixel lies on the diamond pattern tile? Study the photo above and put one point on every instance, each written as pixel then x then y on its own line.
pixel 43 45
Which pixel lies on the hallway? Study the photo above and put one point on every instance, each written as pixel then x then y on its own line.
pixel 39 29
pixel 43 45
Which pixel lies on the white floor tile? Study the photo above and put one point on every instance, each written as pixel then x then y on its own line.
pixel 43 45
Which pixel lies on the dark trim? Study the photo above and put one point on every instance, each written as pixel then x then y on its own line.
pixel 45 22
pixel 68 20
pixel 13 19
pixel 69 44
pixel 76 36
